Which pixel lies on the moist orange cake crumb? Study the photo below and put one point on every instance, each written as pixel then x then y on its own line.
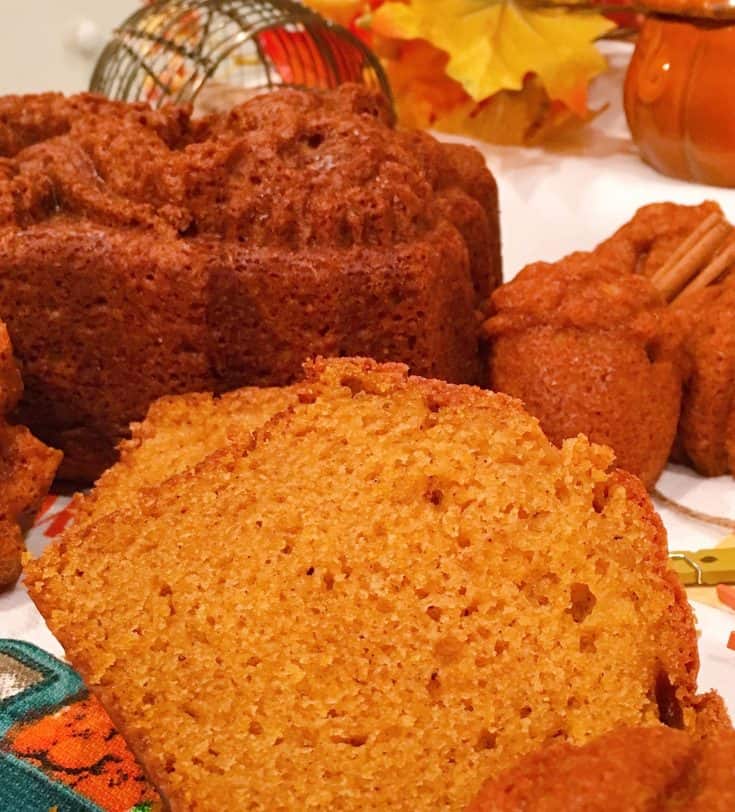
pixel 178 432
pixel 396 589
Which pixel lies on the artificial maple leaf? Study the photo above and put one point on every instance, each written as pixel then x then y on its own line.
pixel 422 91
pixel 425 96
pixel 526 117
pixel 494 44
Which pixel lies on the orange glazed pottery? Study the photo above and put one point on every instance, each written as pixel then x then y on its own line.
pixel 680 93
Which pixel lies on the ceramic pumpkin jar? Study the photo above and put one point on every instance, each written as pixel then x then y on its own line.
pixel 680 92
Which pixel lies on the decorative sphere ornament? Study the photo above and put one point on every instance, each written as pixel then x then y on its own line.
pixel 169 50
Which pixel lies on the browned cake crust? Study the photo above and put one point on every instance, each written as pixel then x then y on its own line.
pixel 27 468
pixel 144 254
pixel 326 616
pixel 587 349
pixel 631 769
pixel 11 386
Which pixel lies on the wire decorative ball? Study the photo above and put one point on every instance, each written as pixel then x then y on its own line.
pixel 167 51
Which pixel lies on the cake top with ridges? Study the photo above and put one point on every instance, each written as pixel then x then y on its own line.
pixel 289 168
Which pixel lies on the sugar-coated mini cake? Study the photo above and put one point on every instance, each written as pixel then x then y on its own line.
pixel 617 341
pixel 682 248
pixel 395 589
pixel 143 253
pixel 27 469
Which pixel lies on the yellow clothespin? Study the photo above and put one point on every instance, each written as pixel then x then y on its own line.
pixel 705 567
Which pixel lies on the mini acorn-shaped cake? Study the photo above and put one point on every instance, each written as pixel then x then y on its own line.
pixel 590 350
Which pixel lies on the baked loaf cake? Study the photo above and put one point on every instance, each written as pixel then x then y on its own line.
pixel 631 769
pixel 588 349
pixel 144 253
pixel 27 469
pixel 397 588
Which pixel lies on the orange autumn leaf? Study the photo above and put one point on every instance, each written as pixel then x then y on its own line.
pixel 426 97
pixel 494 45
pixel 422 91
pixel 526 116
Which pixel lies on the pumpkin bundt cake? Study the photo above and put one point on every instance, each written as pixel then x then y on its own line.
pixel 143 253
pixel 396 588
pixel 631 769
pixel 587 349
pixel 27 469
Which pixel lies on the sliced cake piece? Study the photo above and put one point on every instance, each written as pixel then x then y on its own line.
pixel 395 590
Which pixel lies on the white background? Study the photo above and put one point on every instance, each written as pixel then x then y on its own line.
pixel 39 42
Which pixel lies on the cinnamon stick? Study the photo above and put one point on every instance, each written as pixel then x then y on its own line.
pixel 694 252
pixel 716 267
pixel 690 242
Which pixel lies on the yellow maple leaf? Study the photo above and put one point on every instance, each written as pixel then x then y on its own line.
pixel 425 96
pixel 494 44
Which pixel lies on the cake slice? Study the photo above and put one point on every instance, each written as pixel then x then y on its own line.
pixel 396 589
